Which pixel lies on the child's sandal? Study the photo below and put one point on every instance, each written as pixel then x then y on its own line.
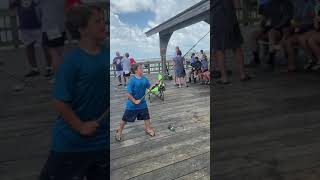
pixel 118 136
pixel 150 132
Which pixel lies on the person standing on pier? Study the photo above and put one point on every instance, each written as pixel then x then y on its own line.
pixel 28 14
pixel 226 35
pixel 126 68
pixel 80 144
pixel 118 67
pixel 180 73
pixel 175 55
pixel 53 29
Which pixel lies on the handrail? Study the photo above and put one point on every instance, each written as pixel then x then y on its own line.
pixel 151 67
pixel 9 32
pixel 9 35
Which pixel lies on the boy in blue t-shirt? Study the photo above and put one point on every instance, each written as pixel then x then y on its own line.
pixel 136 108
pixel 80 144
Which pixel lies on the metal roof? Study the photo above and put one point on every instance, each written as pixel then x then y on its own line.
pixel 194 14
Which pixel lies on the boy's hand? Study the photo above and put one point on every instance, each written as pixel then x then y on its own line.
pixel 137 101
pixel 88 128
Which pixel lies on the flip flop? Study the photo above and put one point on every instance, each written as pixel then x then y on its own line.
pixel 150 132
pixel 118 136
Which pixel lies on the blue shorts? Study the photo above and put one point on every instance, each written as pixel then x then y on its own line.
pixel 139 114
pixel 77 165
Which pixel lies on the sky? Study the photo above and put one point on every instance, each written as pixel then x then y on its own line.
pixel 130 19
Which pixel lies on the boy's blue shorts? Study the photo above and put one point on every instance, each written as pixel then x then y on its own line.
pixel 139 114
pixel 77 165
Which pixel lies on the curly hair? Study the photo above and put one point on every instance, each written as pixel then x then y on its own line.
pixel 78 17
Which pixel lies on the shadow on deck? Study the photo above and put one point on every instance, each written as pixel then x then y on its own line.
pixel 267 128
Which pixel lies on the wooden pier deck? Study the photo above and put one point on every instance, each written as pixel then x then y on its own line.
pixel 268 128
pixel 265 129
pixel 183 154
pixel 26 119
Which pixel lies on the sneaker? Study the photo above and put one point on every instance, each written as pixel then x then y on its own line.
pixel 32 73
pixel 120 84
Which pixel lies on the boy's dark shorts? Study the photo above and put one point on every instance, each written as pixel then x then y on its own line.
pixel 126 75
pixel 53 43
pixel 72 165
pixel 139 114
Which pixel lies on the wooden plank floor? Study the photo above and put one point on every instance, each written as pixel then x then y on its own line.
pixel 267 128
pixel 183 154
pixel 26 119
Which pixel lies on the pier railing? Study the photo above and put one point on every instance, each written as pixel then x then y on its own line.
pixel 152 67
pixel 9 35
pixel 9 23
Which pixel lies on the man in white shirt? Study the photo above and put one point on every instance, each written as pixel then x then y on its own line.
pixel 53 28
pixel 126 68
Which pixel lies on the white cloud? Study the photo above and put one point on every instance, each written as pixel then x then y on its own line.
pixel 132 39
pixel 129 6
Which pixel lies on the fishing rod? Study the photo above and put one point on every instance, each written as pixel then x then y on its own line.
pixel 196 43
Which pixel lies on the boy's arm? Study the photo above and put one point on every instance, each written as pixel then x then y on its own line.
pixel 84 128
pixel 131 98
pixel 130 91
pixel 63 88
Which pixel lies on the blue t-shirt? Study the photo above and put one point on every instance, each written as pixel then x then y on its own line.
pixel 82 81
pixel 137 88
